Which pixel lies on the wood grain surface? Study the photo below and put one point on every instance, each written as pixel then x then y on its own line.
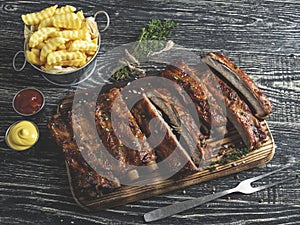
pixel 262 37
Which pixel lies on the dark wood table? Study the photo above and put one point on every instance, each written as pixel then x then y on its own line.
pixel 262 37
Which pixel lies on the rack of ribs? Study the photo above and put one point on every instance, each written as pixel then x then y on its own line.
pixel 160 131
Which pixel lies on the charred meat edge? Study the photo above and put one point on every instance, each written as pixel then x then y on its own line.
pixel 147 156
pixel 85 180
pixel 208 110
pixel 240 81
pixel 144 111
pixel 141 153
pixel 181 122
pixel 85 134
pixel 238 112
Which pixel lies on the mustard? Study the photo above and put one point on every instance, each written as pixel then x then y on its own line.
pixel 22 135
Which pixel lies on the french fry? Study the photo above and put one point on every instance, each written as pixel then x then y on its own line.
pixel 54 58
pixel 37 17
pixel 89 57
pixel 51 68
pixel 40 35
pixel 90 53
pixel 67 21
pixel 74 62
pixel 48 22
pixel 33 58
pixel 65 9
pixel 61 47
pixel 82 34
pixel 59 39
pixel 40 45
pixel 80 15
pixel 95 41
pixel 36 51
pixel 51 45
pixel 84 46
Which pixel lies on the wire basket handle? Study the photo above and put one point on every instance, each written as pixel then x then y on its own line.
pixel 107 19
pixel 14 61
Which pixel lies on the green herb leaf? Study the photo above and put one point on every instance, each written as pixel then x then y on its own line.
pixel 157 30
pixel 149 39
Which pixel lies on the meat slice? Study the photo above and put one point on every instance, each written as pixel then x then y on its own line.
pixel 120 134
pixel 85 136
pixel 257 100
pixel 238 111
pixel 60 129
pixel 183 123
pixel 85 178
pixel 209 111
pixel 86 182
pixel 161 138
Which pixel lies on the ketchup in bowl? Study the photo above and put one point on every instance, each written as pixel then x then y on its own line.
pixel 28 101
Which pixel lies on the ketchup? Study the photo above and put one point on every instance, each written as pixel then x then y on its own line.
pixel 28 101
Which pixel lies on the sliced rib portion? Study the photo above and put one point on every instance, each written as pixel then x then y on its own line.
pixel 182 122
pixel 87 181
pixel 86 178
pixel 238 111
pixel 86 138
pixel 119 132
pixel 161 138
pixel 256 99
pixel 209 111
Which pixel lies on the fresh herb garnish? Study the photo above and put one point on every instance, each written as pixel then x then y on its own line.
pixel 212 167
pixel 234 155
pixel 149 40
pixel 157 30
pixel 229 157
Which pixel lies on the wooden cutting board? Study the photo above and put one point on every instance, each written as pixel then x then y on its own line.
pixel 231 143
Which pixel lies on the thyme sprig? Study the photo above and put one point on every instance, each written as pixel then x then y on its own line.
pixel 229 157
pixel 157 30
pixel 148 41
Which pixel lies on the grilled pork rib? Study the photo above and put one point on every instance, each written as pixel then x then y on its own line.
pixel 240 81
pixel 238 112
pixel 159 125
pixel 161 137
pixel 120 133
pixel 86 180
pixel 209 111
pixel 84 133
pixel 182 122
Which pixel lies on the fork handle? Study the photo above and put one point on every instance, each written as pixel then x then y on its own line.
pixel 175 208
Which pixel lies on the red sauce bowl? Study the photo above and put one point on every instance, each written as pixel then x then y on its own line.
pixel 28 101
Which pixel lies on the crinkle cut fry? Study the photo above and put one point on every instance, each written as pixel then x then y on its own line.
pixel 37 17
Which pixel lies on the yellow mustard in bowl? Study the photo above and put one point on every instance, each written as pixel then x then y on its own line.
pixel 22 135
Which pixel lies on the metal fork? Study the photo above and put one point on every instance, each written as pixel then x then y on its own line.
pixel 243 187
